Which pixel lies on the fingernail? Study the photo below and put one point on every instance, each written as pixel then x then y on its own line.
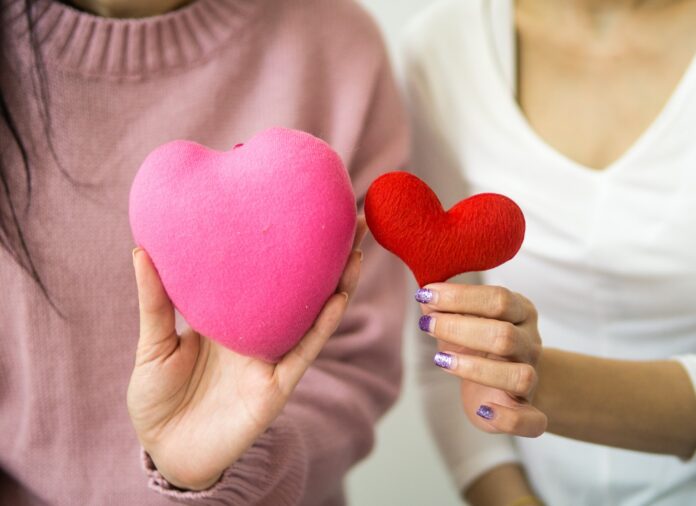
pixel 425 295
pixel 360 255
pixel 136 251
pixel 426 322
pixel 485 412
pixel 444 360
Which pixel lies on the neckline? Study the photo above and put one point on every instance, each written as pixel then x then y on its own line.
pixel 79 42
pixel 513 111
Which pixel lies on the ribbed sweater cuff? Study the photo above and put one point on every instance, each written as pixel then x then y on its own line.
pixel 273 471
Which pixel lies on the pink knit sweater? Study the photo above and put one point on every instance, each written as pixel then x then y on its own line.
pixel 216 72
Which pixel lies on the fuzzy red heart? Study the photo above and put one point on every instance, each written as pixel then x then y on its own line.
pixel 406 217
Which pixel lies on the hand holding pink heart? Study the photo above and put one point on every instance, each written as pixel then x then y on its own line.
pixel 250 245
pixel 197 406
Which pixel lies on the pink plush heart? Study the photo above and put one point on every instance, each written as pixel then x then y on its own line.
pixel 249 243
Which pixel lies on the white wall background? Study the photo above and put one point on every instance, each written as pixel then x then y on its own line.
pixel 404 468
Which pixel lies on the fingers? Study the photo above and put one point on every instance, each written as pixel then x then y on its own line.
pixel 360 231
pixel 477 300
pixel 294 364
pixel 522 420
pixel 515 378
pixel 351 274
pixel 496 412
pixel 157 324
pixel 497 337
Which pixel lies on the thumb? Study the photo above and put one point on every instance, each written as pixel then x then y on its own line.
pixel 157 324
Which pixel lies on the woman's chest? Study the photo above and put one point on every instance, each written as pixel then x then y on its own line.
pixel 592 96
pixel 614 248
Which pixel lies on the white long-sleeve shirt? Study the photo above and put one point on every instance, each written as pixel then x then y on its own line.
pixel 609 257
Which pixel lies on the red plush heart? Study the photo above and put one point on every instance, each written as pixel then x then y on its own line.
pixel 406 217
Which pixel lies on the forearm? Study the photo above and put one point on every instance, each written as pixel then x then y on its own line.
pixel 501 486
pixel 645 406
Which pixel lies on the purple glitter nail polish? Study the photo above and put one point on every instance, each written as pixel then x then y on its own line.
pixel 424 322
pixel 444 360
pixel 424 295
pixel 485 412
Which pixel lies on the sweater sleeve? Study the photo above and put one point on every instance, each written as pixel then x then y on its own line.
pixel 328 423
pixel 467 452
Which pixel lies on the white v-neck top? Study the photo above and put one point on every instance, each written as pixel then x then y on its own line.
pixel 609 256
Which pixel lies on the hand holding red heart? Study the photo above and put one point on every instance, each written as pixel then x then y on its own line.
pixel 196 405
pixel 488 337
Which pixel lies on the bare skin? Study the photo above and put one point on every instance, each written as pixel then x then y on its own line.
pixel 593 75
pixel 195 405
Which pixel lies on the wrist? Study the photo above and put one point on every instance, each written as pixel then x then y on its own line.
pixel 195 486
pixel 544 393
pixel 185 479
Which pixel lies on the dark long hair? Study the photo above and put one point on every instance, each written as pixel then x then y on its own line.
pixel 12 235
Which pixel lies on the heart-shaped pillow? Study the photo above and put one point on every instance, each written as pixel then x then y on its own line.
pixel 249 243
pixel 406 217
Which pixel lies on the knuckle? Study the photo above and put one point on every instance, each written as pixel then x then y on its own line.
pixel 448 327
pixel 452 295
pixel 532 312
pixel 504 339
pixel 302 354
pixel 501 301
pixel 470 369
pixel 525 379
pixel 326 327
pixel 456 330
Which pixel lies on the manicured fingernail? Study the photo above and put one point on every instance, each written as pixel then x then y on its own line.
pixel 425 295
pixel 444 360
pixel 485 412
pixel 426 322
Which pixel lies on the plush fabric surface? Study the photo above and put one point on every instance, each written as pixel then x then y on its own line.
pixel 251 242
pixel 478 233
